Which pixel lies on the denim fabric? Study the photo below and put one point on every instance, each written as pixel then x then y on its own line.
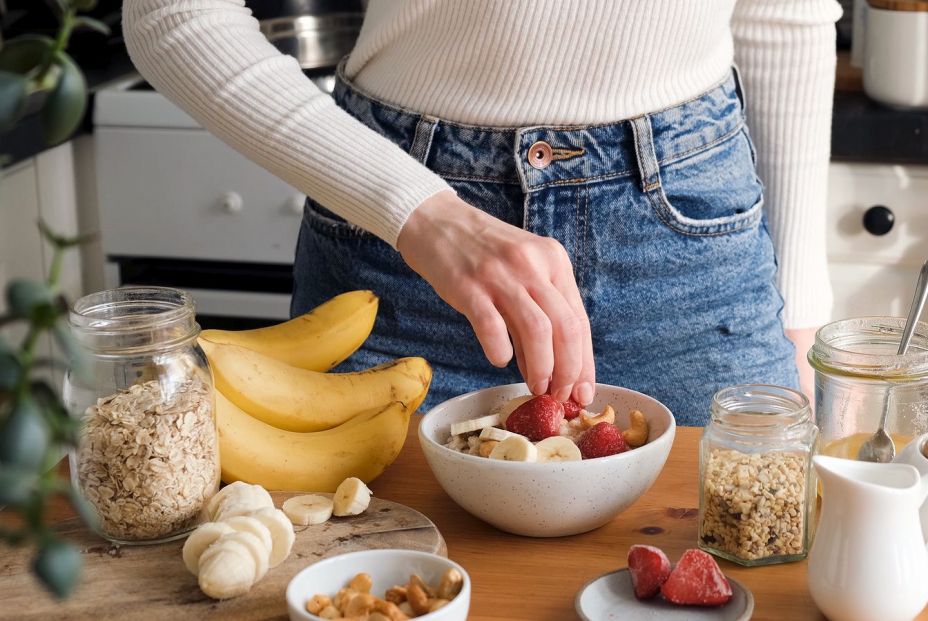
pixel 661 215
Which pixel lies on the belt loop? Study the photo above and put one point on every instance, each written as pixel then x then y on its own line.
pixel 648 166
pixel 739 86
pixel 422 140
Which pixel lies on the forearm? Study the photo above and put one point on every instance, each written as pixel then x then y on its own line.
pixel 786 53
pixel 210 58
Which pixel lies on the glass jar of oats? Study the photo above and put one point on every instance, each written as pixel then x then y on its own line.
pixel 756 484
pixel 147 459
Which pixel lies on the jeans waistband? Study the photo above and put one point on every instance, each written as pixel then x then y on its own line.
pixel 541 156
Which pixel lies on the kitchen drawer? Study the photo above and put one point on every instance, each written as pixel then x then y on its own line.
pixel 183 193
pixel 855 188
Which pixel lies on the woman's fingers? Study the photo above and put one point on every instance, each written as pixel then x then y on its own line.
pixel 534 332
pixel 568 331
pixel 584 386
pixel 490 329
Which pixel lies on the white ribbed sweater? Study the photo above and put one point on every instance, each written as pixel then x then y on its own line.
pixel 511 63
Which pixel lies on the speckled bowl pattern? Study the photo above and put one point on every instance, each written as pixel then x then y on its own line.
pixel 546 499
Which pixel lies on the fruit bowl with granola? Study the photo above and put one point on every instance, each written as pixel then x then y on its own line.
pixel 536 467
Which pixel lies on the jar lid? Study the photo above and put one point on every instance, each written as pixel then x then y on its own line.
pixel 908 6
pixel 866 347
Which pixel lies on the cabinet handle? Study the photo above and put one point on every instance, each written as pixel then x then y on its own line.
pixel 295 204
pixel 879 220
pixel 232 202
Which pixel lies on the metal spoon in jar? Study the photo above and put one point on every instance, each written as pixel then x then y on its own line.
pixel 880 447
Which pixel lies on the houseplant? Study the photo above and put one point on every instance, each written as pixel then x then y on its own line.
pixel 37 77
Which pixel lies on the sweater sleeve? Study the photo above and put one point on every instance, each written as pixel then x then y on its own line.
pixel 785 50
pixel 210 58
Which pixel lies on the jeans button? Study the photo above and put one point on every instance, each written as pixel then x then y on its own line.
pixel 539 155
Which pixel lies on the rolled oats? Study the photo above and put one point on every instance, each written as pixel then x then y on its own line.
pixel 754 503
pixel 148 459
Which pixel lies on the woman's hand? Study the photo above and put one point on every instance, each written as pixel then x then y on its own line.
pixel 506 280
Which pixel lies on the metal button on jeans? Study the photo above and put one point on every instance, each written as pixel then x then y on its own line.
pixel 539 155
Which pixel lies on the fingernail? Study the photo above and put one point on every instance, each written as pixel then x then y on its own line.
pixel 562 394
pixel 585 393
pixel 540 388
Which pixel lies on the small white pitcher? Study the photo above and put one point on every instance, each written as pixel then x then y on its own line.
pixel 913 454
pixel 868 561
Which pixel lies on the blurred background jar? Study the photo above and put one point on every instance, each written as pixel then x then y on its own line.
pixel 855 364
pixel 756 483
pixel 148 456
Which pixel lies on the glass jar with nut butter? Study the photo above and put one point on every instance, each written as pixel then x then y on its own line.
pixel 756 490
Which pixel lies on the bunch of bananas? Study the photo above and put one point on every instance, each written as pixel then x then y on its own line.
pixel 286 424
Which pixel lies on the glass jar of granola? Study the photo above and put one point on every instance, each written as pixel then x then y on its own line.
pixel 147 459
pixel 756 489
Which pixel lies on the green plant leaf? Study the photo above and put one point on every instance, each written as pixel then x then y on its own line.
pixel 78 361
pixel 58 6
pixel 24 53
pixel 58 565
pixel 89 23
pixel 23 297
pixel 85 5
pixel 9 369
pixel 83 508
pixel 65 106
pixel 24 436
pixel 60 241
pixel 12 98
pixel 16 484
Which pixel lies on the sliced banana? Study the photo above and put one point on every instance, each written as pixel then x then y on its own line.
pixel 510 406
pixel 281 529
pixel 466 426
pixel 308 509
pixel 495 433
pixel 227 569
pixel 558 448
pixel 516 448
pixel 351 498
pixel 242 501
pixel 255 547
pixel 203 537
pixel 249 524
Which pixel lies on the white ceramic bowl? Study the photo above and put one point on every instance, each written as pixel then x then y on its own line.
pixel 388 568
pixel 546 499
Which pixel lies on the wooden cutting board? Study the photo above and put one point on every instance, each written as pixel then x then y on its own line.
pixel 150 582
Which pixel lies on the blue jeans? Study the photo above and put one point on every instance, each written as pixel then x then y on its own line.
pixel 662 216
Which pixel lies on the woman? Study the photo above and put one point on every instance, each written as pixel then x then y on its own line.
pixel 572 180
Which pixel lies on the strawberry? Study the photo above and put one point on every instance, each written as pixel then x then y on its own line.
pixel 572 409
pixel 537 418
pixel 649 568
pixel 601 440
pixel 697 580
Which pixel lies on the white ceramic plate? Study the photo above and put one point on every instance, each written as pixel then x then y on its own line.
pixel 611 598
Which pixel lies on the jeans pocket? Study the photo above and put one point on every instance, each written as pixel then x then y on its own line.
pixel 331 224
pixel 713 191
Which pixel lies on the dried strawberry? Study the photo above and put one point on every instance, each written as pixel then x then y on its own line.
pixel 649 568
pixel 572 409
pixel 601 440
pixel 697 580
pixel 537 418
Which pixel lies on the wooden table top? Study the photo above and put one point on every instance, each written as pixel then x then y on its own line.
pixel 537 579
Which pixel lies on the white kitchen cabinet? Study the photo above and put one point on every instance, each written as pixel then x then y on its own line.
pixel 875 274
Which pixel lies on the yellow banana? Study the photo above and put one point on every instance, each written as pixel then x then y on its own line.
pixel 318 340
pixel 299 400
pixel 255 452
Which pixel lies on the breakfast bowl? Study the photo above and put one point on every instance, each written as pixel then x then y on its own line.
pixel 548 499
pixel 387 568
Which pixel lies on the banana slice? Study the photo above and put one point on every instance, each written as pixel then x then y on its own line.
pixel 308 509
pixel 516 448
pixel 242 501
pixel 466 426
pixel 558 448
pixel 351 498
pixel 495 433
pixel 281 529
pixel 255 547
pixel 509 407
pixel 227 569
pixel 203 537
pixel 249 524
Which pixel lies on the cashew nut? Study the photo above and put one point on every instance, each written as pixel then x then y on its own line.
pixel 318 603
pixel 359 605
pixel 406 609
pixel 435 604
pixel 329 612
pixel 637 433
pixel 415 579
pixel 389 610
pixel 417 598
pixel 606 416
pixel 342 597
pixel 361 583
pixel 450 585
pixel 396 594
pixel 376 616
